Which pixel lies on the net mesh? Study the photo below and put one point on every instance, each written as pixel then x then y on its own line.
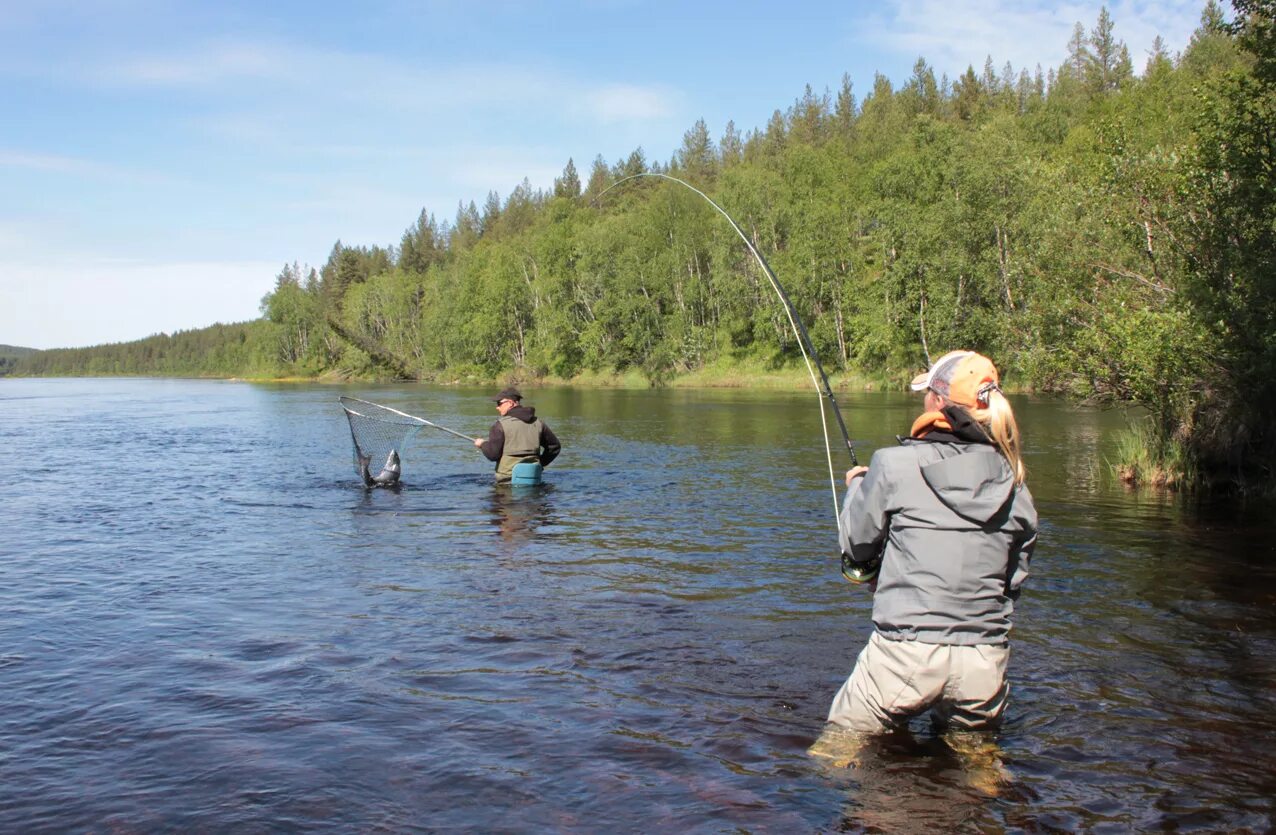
pixel 376 432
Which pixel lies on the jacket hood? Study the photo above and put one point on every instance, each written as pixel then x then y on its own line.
pixel 975 485
pixel 527 414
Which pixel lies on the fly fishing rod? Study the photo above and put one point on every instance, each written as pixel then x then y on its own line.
pixel 804 340
pixel 420 420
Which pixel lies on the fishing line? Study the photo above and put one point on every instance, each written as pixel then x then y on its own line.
pixel 799 330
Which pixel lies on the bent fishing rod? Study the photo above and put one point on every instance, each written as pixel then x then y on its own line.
pixel 420 420
pixel 804 340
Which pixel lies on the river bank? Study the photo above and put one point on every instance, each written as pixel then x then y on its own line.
pixel 753 376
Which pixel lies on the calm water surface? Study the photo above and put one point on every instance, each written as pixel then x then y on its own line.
pixel 207 624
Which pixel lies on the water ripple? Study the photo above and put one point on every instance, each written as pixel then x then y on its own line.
pixel 213 627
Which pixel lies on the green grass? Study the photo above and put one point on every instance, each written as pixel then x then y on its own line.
pixel 1144 458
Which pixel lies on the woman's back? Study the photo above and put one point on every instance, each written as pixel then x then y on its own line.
pixel 952 528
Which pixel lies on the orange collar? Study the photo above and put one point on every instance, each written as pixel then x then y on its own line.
pixel 927 422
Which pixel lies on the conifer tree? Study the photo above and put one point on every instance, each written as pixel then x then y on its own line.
pixel 776 133
pixel 491 213
pixel 568 185
pixel 467 228
pixel 844 111
pixel 968 96
pixel 730 148
pixel 1158 58
pixel 988 80
pixel 599 177
pixel 697 157
pixel 635 163
pixel 1107 62
pixel 421 245
pixel 807 117
pixel 1079 56
pixel 922 89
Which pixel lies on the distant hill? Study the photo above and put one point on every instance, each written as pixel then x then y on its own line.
pixel 9 356
pixel 239 349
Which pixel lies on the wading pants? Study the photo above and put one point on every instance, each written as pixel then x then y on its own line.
pixel 894 681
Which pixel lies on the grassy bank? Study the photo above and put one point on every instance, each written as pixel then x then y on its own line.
pixel 1145 459
pixel 721 375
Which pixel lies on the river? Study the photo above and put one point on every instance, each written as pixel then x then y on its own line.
pixel 209 625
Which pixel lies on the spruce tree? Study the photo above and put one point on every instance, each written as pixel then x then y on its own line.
pixel 568 185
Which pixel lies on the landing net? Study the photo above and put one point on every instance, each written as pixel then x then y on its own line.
pixel 376 431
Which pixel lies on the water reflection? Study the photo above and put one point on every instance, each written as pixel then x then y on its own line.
pixel 901 782
pixel 519 510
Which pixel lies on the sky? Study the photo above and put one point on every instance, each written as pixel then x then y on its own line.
pixel 161 160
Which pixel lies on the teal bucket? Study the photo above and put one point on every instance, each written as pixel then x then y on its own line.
pixel 527 473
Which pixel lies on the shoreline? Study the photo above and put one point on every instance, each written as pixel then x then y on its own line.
pixel 737 377
pixel 734 377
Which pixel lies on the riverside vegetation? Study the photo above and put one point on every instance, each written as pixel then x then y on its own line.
pixel 1104 234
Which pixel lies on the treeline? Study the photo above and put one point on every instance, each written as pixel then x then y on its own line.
pixel 1099 232
pixel 243 349
pixel 9 356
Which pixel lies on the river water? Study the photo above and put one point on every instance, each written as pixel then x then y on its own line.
pixel 207 624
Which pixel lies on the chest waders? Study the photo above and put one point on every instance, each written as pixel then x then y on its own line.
pixel 522 444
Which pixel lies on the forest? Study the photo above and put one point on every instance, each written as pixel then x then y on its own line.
pixel 9 356
pixel 1104 231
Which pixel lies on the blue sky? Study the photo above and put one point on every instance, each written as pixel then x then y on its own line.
pixel 161 160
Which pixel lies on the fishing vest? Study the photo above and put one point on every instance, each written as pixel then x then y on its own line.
pixel 522 443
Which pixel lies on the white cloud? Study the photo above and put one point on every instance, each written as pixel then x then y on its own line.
pixel 276 84
pixel 57 163
pixel 1139 23
pixel 627 102
pixel 35 17
pixel 81 167
pixel 954 34
pixel 208 64
pixel 326 75
pixel 14 235
pixel 62 305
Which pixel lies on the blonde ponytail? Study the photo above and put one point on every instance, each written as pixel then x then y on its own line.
pixel 999 421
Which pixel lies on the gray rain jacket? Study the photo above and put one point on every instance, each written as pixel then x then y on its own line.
pixel 955 536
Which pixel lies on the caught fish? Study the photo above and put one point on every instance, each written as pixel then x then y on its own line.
pixel 389 475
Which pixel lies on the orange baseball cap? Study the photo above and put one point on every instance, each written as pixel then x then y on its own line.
pixel 960 377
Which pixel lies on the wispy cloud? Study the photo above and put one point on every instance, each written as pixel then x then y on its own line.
pixel 954 34
pixel 305 78
pixel 208 64
pixel 10 158
pixel 81 167
pixel 627 102
pixel 15 235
